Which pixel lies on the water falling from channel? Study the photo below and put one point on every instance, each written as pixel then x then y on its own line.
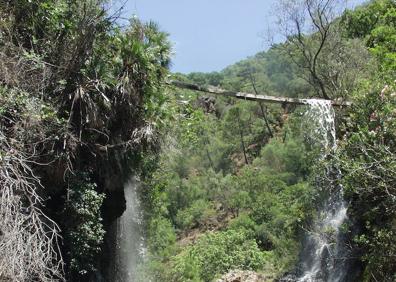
pixel 322 247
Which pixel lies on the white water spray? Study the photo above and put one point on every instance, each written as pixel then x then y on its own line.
pixel 130 245
pixel 320 118
pixel 322 242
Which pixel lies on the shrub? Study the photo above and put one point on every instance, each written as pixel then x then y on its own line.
pixel 84 229
pixel 195 215
pixel 162 236
pixel 216 253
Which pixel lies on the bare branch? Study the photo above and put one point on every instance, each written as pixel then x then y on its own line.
pixel 29 249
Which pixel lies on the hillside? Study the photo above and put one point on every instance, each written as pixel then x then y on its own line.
pixel 237 183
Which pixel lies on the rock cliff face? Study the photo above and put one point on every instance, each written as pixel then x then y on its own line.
pixel 111 177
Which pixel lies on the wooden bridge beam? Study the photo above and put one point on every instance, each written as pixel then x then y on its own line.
pixel 250 96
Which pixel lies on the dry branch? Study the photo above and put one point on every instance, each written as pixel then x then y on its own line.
pixel 28 238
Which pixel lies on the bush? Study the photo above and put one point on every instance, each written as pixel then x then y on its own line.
pixel 195 215
pixel 368 163
pixel 162 236
pixel 243 222
pixel 84 229
pixel 216 253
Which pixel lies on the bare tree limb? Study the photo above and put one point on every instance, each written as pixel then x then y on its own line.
pixel 29 249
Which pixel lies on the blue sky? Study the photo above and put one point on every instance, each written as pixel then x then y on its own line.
pixel 208 35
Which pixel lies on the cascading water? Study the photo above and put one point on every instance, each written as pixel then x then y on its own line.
pixel 129 246
pixel 322 252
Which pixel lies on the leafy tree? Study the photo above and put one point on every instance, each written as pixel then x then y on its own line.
pixel 313 42
pixel 375 22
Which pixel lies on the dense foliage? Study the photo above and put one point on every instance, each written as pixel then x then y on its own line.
pixel 234 168
pixel 79 97
pixel 83 225
pixel 367 154
pixel 369 162
pixel 216 253
pixel 230 171
pixel 207 196
pixel 376 24
pixel 227 184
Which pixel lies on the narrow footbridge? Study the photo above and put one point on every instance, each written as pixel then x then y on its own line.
pixel 250 96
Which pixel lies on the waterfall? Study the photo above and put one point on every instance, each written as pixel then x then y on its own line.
pixel 129 247
pixel 322 251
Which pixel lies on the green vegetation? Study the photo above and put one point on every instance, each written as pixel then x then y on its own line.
pixel 376 24
pixel 81 99
pixel 367 156
pixel 205 184
pixel 227 184
pixel 368 161
pixel 233 168
pixel 83 227
pixel 216 253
